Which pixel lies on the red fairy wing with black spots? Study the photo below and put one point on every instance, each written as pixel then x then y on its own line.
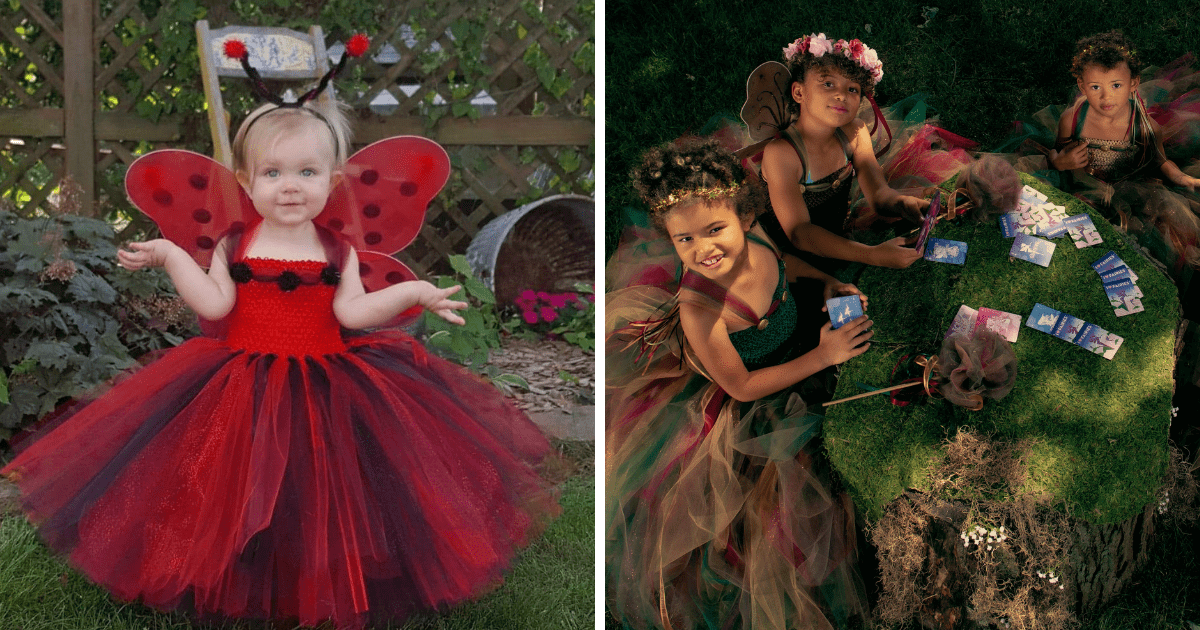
pixel 379 271
pixel 193 199
pixel 380 203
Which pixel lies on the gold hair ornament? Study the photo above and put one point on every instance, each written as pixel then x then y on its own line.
pixel 708 192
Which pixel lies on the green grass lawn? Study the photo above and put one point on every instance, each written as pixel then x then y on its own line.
pixel 552 586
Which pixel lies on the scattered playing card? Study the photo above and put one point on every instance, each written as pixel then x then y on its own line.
pixel 1083 231
pixel 1008 224
pixel 1121 289
pixel 1111 342
pixel 1068 327
pixel 1043 318
pixel 946 251
pixel 1129 306
pixel 1031 196
pixel 1120 272
pixel 1107 261
pixel 1006 325
pixel 1036 250
pixel 843 310
pixel 1089 337
pixel 964 321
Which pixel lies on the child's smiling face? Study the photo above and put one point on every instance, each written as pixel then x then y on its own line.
pixel 830 96
pixel 709 237
pixel 292 175
pixel 1108 90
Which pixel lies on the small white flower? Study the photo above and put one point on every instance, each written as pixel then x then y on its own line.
pixel 1041 574
pixel 1061 586
pixel 989 547
pixel 1054 580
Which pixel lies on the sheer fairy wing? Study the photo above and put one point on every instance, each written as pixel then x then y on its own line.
pixel 193 198
pixel 765 111
pixel 380 203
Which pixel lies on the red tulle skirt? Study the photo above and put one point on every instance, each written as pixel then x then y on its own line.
pixel 356 487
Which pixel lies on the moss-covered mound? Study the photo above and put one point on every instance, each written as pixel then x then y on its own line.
pixel 1099 427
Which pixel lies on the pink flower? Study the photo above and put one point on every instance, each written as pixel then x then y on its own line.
pixel 797 47
pixel 542 295
pixel 558 300
pixel 529 294
pixel 548 314
pixel 530 317
pixel 819 45
pixel 856 48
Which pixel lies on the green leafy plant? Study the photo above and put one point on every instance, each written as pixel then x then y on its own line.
pixel 68 317
pixel 470 344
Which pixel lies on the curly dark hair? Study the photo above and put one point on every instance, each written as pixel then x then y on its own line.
pixel 691 164
pixel 1106 50
pixel 801 64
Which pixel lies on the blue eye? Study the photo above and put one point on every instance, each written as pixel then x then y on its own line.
pixel 273 172
pixel 308 172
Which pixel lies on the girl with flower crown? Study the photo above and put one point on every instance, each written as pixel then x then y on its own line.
pixel 287 469
pixel 820 147
pixel 721 511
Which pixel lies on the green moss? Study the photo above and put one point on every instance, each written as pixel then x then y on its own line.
pixel 1100 427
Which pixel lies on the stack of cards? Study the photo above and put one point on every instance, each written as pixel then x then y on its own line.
pixel 1070 328
pixel 1036 250
pixel 1035 216
pixel 1120 284
pixel 968 320
pixel 843 310
pixel 946 251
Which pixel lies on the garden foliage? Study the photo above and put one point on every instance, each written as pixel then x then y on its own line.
pixel 69 317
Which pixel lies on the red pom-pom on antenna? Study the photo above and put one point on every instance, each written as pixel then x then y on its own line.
pixel 235 49
pixel 357 45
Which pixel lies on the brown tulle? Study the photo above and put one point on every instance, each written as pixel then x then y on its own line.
pixel 982 365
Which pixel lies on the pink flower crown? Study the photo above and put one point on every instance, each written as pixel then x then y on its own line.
pixel 816 44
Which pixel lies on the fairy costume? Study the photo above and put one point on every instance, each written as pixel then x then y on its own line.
pixel 286 469
pixel 717 512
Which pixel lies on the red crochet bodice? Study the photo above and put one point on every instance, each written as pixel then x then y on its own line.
pixel 267 318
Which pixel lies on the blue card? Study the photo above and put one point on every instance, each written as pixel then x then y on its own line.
pixel 1083 231
pixel 1036 250
pixel 1068 327
pixel 1121 289
pixel 946 251
pixel 1008 224
pixel 1043 318
pixel 843 310
pixel 1107 261
pixel 1090 336
pixel 1120 272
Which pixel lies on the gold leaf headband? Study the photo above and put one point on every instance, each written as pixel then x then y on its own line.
pixel 709 192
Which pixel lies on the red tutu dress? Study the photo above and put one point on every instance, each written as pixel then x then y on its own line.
pixel 289 471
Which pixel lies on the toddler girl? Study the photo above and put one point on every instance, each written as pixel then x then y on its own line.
pixel 288 471
pixel 719 504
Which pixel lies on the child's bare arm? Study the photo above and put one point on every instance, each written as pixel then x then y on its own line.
pixel 1067 154
pixel 782 170
pixel 211 295
pixel 709 339
pixel 355 308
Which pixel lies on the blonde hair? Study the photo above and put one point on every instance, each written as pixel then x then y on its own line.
pixel 271 121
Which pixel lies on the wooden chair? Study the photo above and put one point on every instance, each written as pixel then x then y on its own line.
pixel 277 53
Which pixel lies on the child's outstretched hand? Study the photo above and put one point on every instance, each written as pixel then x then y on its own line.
pixel 1073 155
pixel 912 208
pixel 436 300
pixel 845 343
pixel 142 255
pixel 836 288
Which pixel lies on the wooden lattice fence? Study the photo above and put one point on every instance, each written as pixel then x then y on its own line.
pixel 507 87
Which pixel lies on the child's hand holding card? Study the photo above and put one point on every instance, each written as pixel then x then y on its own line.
pixel 843 310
